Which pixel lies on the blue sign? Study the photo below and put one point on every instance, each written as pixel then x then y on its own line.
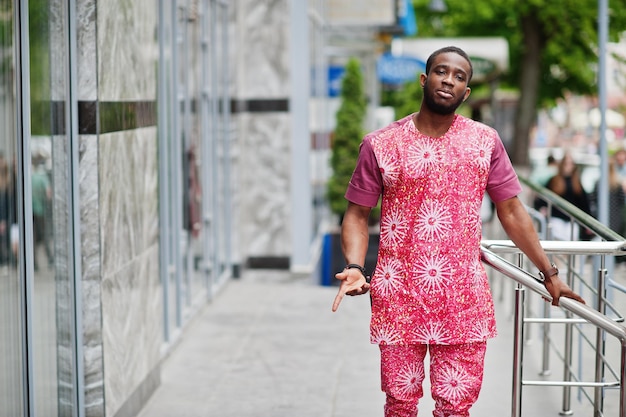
pixel 394 69
pixel 335 75
pixel 406 17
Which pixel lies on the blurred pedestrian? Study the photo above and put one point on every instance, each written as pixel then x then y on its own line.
pixel 542 174
pixel 430 292
pixel 6 212
pixel 620 165
pixel 41 198
pixel 567 184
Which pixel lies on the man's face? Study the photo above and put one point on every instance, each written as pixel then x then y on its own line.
pixel 445 87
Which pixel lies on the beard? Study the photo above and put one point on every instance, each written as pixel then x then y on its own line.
pixel 443 109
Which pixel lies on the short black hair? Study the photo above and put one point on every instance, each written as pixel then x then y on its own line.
pixel 452 49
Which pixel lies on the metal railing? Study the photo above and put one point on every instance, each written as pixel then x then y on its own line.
pixel 604 324
pixel 599 314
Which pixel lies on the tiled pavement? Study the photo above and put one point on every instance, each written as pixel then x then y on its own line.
pixel 269 346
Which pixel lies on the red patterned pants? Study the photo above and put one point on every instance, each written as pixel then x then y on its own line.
pixel 456 375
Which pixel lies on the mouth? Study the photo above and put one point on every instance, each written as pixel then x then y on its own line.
pixel 444 94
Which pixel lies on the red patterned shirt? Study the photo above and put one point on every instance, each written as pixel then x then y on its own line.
pixel 429 285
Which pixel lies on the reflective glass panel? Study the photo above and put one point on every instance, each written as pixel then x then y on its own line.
pixel 53 296
pixel 11 286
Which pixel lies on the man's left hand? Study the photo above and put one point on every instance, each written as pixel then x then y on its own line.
pixel 557 288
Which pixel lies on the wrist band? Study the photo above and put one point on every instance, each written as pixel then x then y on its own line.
pixel 357 266
pixel 545 275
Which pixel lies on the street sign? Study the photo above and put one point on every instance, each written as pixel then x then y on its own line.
pixel 335 76
pixel 394 69
pixel 484 69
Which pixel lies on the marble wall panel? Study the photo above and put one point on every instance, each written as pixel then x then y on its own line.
pixel 128 50
pixel 58 54
pixel 262 48
pixel 86 61
pixel 128 196
pixel 93 365
pixel 262 197
pixel 91 266
pixel 131 291
pixel 117 61
pixel 132 302
pixel 63 274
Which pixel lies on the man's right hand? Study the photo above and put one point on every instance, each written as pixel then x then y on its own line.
pixel 352 283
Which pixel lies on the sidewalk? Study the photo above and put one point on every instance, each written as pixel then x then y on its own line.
pixel 269 346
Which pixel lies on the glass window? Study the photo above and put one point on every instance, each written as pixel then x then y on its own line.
pixel 11 328
pixel 52 292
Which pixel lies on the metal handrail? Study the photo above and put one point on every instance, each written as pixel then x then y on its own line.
pixel 554 247
pixel 583 311
pixel 531 282
pixel 562 247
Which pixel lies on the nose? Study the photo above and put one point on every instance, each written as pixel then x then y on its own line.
pixel 448 79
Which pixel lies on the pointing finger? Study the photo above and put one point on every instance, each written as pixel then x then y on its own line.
pixel 337 300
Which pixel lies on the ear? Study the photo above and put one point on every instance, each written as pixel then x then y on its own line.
pixel 423 79
pixel 467 93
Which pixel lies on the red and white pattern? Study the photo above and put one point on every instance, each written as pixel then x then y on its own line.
pixel 429 285
pixel 456 374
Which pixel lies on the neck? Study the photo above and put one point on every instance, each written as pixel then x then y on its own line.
pixel 433 124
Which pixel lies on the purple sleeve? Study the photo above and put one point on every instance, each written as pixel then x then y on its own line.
pixel 366 183
pixel 503 182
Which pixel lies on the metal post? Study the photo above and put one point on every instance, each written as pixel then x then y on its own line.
pixel 205 143
pixel 227 221
pixel 545 368
pixel 164 201
pixel 176 168
pixel 598 392
pixel 518 348
pixel 185 146
pixel 567 373
pixel 301 201
pixel 567 354
pixel 622 383
pixel 215 149
pixel 24 211
pixel 520 264
pixel 76 258
pixel 603 184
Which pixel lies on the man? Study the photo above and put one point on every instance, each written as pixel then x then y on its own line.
pixel 430 291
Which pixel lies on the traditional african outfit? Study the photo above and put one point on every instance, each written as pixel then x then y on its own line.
pixel 429 288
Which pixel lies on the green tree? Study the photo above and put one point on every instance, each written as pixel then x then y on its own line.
pixel 552 47
pixel 39 54
pixel 347 136
pixel 405 99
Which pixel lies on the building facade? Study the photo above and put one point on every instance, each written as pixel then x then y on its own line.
pixel 151 150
